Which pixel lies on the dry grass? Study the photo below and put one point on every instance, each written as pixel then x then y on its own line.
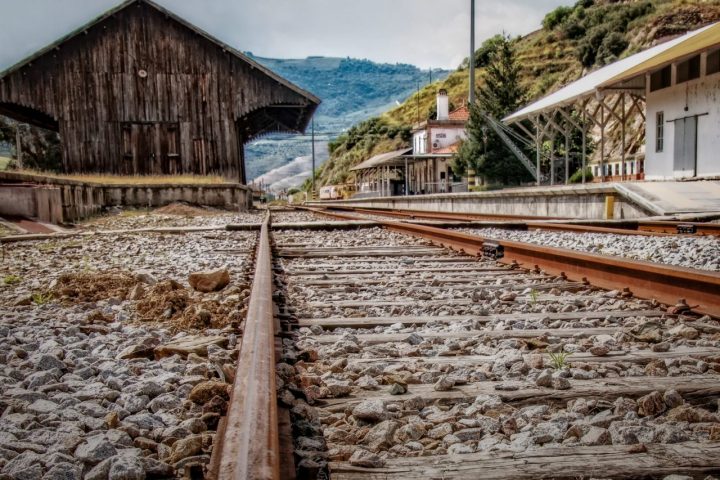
pixel 171 304
pixel 133 179
pixel 92 287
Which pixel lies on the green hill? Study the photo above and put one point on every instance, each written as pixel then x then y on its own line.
pixel 572 41
pixel 351 90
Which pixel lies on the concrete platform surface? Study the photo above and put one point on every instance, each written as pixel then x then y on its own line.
pixel 667 198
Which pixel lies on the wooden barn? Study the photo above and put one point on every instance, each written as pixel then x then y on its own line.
pixel 140 91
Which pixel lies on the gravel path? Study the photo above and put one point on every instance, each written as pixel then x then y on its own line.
pixel 701 252
pixel 175 215
pixel 112 366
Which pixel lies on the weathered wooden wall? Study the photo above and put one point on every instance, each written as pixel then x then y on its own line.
pixel 141 93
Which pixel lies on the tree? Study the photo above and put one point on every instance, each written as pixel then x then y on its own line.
pixel 499 95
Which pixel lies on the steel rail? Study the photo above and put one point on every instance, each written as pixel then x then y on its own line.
pixel 664 283
pixel 630 227
pixel 463 217
pixel 250 443
pixel 697 228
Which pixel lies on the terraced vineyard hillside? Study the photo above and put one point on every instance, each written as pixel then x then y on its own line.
pixel 572 41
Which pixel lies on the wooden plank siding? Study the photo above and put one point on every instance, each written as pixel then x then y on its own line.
pixel 142 92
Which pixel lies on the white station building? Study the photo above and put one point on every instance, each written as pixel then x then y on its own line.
pixel 674 86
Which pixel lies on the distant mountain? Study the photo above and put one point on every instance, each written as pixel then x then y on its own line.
pixel 351 90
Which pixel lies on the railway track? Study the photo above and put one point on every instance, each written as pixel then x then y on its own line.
pixel 378 353
pixel 628 227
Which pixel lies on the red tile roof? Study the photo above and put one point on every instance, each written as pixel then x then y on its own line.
pixel 460 114
pixel 450 149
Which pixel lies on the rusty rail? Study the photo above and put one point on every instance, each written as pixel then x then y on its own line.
pixel 630 227
pixel 249 446
pixel 664 283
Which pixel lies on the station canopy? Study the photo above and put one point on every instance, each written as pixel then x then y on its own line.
pixel 390 159
pixel 623 71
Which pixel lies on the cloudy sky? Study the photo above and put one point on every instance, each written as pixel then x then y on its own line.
pixel 427 33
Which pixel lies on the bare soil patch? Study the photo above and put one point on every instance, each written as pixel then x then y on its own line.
pixel 92 286
pixel 169 302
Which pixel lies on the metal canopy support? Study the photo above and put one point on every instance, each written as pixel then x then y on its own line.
pixel 584 143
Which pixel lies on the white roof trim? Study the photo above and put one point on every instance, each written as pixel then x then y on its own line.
pixel 589 84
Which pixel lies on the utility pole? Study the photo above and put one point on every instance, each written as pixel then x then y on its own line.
pixel 471 58
pixel 417 108
pixel 312 140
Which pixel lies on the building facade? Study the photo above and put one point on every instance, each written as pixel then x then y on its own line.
pixel 683 118
pixel 141 91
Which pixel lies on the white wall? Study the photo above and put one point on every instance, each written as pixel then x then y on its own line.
pixel 703 96
pixel 446 136
pixel 420 142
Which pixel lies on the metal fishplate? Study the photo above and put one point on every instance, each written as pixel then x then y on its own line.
pixel 688 228
pixel 493 250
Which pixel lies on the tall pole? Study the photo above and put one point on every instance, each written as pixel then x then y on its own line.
pixel 312 140
pixel 471 58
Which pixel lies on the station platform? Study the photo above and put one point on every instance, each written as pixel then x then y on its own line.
pixel 670 198
pixel 629 200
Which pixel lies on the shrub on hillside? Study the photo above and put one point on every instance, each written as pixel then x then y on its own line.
pixel 610 48
pixel 556 17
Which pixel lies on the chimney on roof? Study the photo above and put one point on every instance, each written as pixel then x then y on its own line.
pixel 443 106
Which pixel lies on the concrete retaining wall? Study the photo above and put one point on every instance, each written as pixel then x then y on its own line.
pixel 575 201
pixel 77 200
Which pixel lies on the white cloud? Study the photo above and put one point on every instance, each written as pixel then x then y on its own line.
pixel 427 33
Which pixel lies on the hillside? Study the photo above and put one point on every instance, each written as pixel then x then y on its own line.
pixel 572 41
pixel 351 90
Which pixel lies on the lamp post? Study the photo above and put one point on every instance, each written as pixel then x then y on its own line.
pixel 471 58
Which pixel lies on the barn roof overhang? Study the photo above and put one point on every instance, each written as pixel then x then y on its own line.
pixel 29 115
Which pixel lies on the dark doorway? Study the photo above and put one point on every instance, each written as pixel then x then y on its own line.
pixel 151 147
pixel 685 151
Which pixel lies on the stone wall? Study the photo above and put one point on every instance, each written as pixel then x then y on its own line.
pixel 47 198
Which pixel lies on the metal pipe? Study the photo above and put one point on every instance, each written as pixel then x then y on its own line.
pixel 250 444
pixel 584 145
pixel 537 152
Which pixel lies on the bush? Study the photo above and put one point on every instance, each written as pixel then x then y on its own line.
pixel 578 176
pixel 488 47
pixel 589 46
pixel 556 17
pixel 610 48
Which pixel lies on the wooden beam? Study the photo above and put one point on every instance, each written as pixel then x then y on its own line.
pixel 526 393
pixel 616 461
pixel 371 322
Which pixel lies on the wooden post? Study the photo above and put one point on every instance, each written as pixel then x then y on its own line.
pixel 18 146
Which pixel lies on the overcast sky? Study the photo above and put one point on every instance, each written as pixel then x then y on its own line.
pixel 426 33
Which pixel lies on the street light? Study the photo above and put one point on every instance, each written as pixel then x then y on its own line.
pixel 471 58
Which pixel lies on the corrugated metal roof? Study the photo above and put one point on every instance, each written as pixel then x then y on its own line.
pixel 382 159
pixel 589 84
